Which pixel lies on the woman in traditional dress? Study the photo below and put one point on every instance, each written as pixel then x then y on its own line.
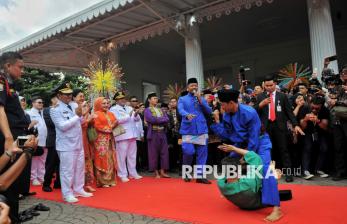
pixel 88 149
pixel 104 146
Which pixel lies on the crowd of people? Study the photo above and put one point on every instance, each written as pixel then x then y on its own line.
pixel 83 145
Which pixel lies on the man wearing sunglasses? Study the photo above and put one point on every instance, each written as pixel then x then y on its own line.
pixel 38 160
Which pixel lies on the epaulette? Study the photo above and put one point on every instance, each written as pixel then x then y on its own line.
pixel 4 84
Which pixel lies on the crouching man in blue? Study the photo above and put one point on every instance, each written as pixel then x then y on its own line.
pixel 245 191
pixel 193 108
pixel 241 126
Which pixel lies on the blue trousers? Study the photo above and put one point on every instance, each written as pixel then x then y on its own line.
pixel 189 150
pixel 270 194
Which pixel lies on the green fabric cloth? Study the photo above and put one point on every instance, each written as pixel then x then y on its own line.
pixel 244 183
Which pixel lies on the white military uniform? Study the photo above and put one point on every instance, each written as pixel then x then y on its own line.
pixel 126 147
pixel 69 147
pixel 38 162
pixel 139 128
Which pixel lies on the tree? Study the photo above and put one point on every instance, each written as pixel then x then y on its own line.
pixel 37 82
pixel 78 82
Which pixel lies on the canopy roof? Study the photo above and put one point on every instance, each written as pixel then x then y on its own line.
pixel 72 42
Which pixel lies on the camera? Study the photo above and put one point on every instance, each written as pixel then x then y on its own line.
pixel 246 82
pixel 22 139
pixel 329 77
pixel 33 131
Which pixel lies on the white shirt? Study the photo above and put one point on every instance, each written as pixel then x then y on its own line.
pixel 128 122
pixel 139 127
pixel 68 127
pixel 41 125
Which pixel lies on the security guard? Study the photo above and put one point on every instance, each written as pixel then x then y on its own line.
pixel 67 118
pixel 13 123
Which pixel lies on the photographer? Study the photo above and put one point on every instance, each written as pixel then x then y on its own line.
pixel 339 109
pixel 13 123
pixel 314 120
pixel 10 175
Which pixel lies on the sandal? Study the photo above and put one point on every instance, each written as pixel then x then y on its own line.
pixel 41 207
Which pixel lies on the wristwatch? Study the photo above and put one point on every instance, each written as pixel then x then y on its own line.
pixel 9 154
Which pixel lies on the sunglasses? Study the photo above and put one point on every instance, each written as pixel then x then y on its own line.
pixel 40 102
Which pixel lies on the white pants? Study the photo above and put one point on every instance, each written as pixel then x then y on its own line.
pixel 126 154
pixel 71 172
pixel 38 166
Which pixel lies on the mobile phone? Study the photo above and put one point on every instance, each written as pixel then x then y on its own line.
pixel 332 58
pixel 21 141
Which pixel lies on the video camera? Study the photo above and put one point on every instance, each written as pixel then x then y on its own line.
pixel 243 76
pixel 329 77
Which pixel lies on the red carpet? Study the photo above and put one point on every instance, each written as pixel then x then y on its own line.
pixel 197 203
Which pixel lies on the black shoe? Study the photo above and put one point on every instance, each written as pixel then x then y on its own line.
pixel 187 179
pixel 338 177
pixel 289 179
pixel 56 186
pixel 41 207
pixel 203 181
pixel 29 194
pixel 47 189
pixel 34 213
pixel 25 216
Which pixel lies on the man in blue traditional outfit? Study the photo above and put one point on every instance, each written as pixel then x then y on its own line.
pixel 193 108
pixel 241 126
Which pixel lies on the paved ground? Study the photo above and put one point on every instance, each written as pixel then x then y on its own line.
pixel 61 213
pixel 74 214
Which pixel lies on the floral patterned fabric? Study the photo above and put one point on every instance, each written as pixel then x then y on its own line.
pixel 104 146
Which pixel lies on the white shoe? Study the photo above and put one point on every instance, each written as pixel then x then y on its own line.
pixel 83 194
pixel 322 174
pixel 137 177
pixel 36 183
pixel 124 179
pixel 71 199
pixel 307 175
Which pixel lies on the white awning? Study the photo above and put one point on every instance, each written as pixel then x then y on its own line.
pixel 72 42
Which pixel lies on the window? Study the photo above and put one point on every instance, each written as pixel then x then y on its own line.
pixel 148 87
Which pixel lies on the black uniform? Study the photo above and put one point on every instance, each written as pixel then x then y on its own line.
pixel 52 161
pixel 18 124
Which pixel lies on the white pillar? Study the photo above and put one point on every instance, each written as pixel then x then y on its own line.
pixel 115 56
pixel 321 34
pixel 194 65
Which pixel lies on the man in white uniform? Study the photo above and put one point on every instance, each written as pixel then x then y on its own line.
pixel 67 120
pixel 126 143
pixel 38 162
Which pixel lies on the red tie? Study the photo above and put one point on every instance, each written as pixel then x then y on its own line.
pixel 272 109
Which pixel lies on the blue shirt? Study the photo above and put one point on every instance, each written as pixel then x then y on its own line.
pixel 189 104
pixel 241 128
